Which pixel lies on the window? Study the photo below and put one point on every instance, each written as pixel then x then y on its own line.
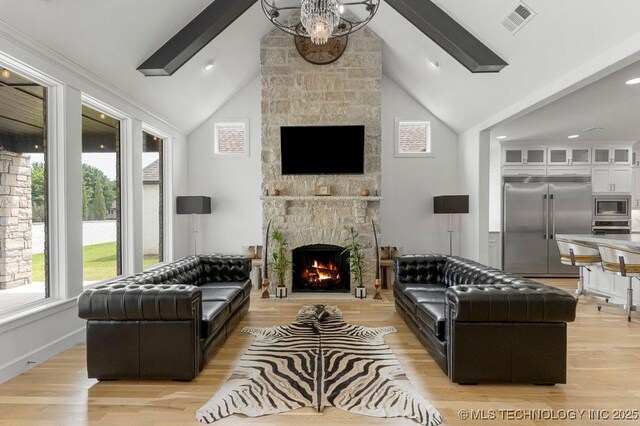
pixel 101 214
pixel 413 138
pixel 152 203
pixel 24 231
pixel 231 138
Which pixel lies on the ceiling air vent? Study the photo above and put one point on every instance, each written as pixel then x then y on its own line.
pixel 518 18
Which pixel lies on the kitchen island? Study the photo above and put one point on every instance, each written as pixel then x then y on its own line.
pixel 605 284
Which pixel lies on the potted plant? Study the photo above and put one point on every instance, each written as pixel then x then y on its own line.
pixel 356 261
pixel 279 262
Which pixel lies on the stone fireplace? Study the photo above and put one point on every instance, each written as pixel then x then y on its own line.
pixel 297 93
pixel 320 267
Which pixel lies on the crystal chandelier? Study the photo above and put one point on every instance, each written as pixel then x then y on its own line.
pixel 318 20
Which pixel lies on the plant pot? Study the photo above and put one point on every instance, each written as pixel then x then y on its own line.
pixel 361 292
pixel 281 292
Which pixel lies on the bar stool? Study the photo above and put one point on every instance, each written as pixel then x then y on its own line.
pixel 622 261
pixel 581 255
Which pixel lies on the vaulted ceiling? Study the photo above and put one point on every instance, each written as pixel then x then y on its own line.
pixel 112 38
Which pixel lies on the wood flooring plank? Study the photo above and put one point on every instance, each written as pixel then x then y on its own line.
pixel 603 373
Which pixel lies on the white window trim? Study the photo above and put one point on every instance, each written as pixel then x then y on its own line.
pixel 126 182
pixel 421 120
pixel 56 226
pixel 247 139
pixel 167 192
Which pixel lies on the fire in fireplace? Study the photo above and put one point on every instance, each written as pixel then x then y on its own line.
pixel 320 267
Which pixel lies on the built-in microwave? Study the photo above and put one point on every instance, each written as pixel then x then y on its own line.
pixel 612 207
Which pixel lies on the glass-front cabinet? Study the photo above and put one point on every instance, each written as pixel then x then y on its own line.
pixel 560 156
pixel 580 156
pixel 530 156
pixel 612 155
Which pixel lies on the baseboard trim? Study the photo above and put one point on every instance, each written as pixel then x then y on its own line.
pixel 24 363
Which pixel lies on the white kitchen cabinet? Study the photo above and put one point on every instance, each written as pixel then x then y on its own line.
pixel 611 179
pixel 600 179
pixel 530 171
pixel 580 156
pixel 527 156
pixel 621 179
pixel 557 156
pixel 635 193
pixel 568 170
pixel 619 155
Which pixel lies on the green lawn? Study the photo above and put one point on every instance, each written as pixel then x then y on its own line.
pixel 99 262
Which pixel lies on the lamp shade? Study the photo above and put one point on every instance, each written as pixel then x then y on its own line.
pixel 445 204
pixel 196 204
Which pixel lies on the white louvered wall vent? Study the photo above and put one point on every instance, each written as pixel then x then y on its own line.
pixel 518 18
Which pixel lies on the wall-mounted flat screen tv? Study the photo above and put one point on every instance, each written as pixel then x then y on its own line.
pixel 322 150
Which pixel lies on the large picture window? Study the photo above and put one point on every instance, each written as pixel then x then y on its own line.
pixel 152 200
pixel 101 213
pixel 23 191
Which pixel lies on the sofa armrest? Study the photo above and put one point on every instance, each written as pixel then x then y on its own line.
pixel 419 269
pixel 529 302
pixel 140 302
pixel 217 268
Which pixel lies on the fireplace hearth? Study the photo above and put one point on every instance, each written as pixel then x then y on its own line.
pixel 320 268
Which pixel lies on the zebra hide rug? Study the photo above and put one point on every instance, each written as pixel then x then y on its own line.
pixel 319 361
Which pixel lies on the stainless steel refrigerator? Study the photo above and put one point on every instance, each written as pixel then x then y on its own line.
pixel 535 209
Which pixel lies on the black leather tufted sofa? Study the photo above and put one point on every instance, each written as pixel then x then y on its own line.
pixel 164 323
pixel 483 325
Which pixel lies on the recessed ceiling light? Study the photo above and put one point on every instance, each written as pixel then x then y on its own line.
pixel 433 64
pixel 633 81
pixel 5 73
pixel 573 136
pixel 501 137
pixel 208 66
pixel 102 116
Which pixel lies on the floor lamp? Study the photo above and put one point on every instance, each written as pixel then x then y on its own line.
pixel 451 204
pixel 193 205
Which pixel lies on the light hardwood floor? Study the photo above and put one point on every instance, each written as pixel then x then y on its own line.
pixel 603 364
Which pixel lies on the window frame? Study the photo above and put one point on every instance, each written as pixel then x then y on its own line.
pixel 56 242
pixel 167 194
pixel 423 120
pixel 127 251
pixel 245 122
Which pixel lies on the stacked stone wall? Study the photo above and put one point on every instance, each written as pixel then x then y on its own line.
pixel 298 93
pixel 15 220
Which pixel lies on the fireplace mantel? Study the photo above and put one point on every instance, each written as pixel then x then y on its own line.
pixel 322 198
pixel 358 203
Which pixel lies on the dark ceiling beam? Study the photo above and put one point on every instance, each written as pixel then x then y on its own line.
pixel 449 35
pixel 194 36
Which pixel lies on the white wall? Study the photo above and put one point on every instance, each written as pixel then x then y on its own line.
pixel 233 183
pixel 409 184
pixel 474 168
pixel 495 185
pixel 29 337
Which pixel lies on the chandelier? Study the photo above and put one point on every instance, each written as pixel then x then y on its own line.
pixel 318 20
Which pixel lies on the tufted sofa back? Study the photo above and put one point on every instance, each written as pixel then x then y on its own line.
pixel 216 268
pixel 450 271
pixel 420 269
